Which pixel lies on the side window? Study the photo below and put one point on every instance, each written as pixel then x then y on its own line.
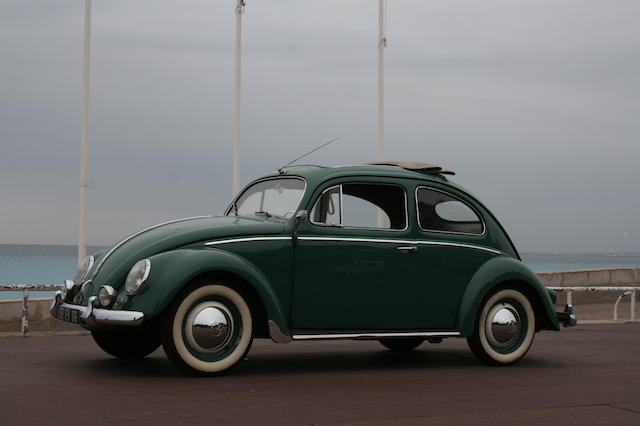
pixel 327 210
pixel 438 211
pixel 356 205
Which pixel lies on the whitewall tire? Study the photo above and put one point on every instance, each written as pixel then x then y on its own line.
pixel 208 330
pixel 504 329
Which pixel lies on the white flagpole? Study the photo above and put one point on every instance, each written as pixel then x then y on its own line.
pixel 240 5
pixel 382 43
pixel 82 234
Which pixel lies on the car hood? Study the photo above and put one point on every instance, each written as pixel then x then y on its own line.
pixel 113 266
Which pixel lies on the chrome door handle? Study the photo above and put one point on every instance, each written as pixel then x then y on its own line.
pixel 408 249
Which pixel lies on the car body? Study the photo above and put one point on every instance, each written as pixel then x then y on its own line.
pixel 394 252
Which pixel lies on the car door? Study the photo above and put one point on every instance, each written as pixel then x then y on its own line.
pixel 452 236
pixel 352 268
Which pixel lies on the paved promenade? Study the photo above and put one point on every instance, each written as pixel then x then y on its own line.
pixel 587 375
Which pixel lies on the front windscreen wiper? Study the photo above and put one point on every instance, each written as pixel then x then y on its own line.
pixel 262 213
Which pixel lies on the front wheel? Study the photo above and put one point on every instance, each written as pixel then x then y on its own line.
pixel 208 330
pixel 504 328
pixel 126 344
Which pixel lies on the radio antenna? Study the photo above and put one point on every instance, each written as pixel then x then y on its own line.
pixel 310 152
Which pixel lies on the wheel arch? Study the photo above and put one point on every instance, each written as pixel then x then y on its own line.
pixel 505 272
pixel 176 270
pixel 242 286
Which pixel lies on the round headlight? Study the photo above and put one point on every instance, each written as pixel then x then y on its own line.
pixel 106 295
pixel 67 288
pixel 137 276
pixel 83 268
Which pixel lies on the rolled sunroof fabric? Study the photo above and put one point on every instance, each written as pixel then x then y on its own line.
pixel 425 167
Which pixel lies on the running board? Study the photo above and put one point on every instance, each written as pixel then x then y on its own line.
pixel 278 336
pixel 374 336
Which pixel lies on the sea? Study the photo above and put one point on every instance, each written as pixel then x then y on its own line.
pixel 52 264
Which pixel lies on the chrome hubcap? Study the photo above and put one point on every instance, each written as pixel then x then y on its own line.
pixel 209 327
pixel 503 325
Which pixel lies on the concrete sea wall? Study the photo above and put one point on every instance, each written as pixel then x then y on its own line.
pixel 614 277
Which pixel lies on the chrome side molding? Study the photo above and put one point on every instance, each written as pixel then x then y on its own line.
pixel 374 336
pixel 278 336
pixel 355 240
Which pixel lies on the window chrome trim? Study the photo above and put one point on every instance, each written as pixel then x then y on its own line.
pixel 375 335
pixel 130 237
pixel 243 240
pixel 484 226
pixel 304 190
pixel 406 208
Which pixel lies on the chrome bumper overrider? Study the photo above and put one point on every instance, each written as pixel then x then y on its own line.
pixel 90 315
pixel 567 318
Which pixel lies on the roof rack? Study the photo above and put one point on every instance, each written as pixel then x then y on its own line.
pixel 420 167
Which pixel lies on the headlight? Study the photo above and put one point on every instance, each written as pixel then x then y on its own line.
pixel 83 268
pixel 137 276
pixel 66 289
pixel 106 295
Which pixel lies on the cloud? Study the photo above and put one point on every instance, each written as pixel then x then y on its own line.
pixel 533 103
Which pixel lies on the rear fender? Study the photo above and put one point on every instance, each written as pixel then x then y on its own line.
pixel 500 271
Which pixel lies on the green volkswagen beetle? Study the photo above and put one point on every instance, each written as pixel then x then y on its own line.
pixel 393 252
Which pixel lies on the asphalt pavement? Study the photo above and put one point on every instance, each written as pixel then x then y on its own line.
pixel 586 375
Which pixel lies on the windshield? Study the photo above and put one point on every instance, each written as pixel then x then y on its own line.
pixel 274 197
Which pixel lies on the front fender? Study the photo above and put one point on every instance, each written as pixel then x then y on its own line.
pixel 172 270
pixel 495 272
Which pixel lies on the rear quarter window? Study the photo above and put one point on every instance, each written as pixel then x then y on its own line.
pixel 442 212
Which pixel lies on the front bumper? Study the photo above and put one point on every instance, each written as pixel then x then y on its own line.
pixel 91 316
pixel 567 318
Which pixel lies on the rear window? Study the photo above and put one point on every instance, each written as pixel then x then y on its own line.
pixel 442 212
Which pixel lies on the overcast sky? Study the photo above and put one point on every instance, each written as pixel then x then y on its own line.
pixel 534 103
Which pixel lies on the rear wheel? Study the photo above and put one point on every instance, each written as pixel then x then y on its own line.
pixel 208 330
pixel 126 344
pixel 401 344
pixel 504 328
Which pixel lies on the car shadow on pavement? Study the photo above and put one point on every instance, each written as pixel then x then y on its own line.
pixel 368 360
pixel 355 360
pixel 300 361
pixel 155 365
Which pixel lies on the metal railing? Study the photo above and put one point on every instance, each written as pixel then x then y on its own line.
pixel 25 289
pixel 626 291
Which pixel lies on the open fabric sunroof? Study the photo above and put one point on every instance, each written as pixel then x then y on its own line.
pixel 421 167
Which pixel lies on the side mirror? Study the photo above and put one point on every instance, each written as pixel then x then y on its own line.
pixel 301 216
